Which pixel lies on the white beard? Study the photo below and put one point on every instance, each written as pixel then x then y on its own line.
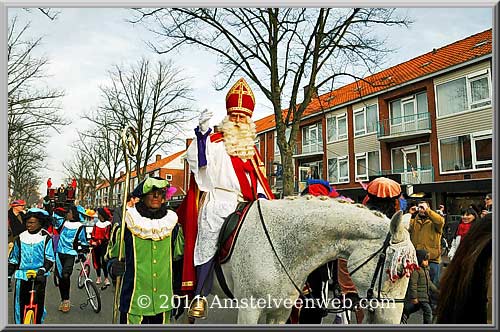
pixel 239 139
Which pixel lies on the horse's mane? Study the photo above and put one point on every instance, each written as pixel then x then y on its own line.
pixel 375 224
pixel 337 199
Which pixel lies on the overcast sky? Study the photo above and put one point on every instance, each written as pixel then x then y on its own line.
pixel 82 44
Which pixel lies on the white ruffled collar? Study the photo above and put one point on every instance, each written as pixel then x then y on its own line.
pixel 153 229
pixel 28 238
pixel 101 224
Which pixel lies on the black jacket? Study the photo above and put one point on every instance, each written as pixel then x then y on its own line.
pixel 16 224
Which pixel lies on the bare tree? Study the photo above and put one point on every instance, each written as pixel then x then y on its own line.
pixel 85 167
pixel 50 13
pixel 24 166
pixel 32 108
pixel 152 98
pixel 281 50
pixel 106 148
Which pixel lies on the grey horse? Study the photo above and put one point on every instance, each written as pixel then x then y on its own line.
pixel 306 233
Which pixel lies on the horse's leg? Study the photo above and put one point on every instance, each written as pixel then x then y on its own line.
pixel 249 315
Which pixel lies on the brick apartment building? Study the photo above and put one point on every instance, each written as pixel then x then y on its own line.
pixel 426 122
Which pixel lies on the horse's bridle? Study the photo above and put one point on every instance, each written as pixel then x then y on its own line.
pixel 379 269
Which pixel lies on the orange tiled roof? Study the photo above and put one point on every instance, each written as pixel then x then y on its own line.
pixel 447 56
pixel 151 167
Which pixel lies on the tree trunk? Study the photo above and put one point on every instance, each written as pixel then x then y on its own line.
pixel 288 173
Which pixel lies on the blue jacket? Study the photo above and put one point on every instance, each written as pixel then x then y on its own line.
pixel 31 252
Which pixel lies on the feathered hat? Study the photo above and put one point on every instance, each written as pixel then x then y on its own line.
pixel 148 185
pixel 240 99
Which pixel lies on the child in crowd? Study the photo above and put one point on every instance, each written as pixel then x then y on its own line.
pixel 420 290
pixel 32 250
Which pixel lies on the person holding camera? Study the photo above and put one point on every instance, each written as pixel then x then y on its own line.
pixel 426 230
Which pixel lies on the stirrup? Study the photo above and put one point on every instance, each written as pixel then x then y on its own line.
pixel 198 308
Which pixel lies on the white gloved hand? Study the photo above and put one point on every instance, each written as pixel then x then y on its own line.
pixel 205 117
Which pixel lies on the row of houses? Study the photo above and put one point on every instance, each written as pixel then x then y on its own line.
pixel 426 122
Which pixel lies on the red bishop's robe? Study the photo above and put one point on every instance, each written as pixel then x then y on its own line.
pixel 188 210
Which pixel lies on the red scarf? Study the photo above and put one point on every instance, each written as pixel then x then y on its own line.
pixel 248 190
pixel 463 229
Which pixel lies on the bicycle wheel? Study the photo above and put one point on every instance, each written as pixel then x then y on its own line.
pixel 93 295
pixel 83 276
pixel 29 318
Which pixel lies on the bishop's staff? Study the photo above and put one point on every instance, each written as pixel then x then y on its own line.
pixel 129 141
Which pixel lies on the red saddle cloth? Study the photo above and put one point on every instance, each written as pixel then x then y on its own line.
pixel 230 230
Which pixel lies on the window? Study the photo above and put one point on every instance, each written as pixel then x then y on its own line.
pixel 288 130
pixel 336 127
pixel 407 110
pixel 466 152
pixel 463 94
pixel 365 120
pixel 169 177
pixel 367 164
pixel 338 169
pixel 257 144
pixel 312 138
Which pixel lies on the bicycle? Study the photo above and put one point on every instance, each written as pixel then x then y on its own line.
pixel 93 295
pixel 31 309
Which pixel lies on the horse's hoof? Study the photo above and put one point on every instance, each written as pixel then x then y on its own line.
pixel 198 308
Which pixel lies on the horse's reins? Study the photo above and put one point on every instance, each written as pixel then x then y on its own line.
pixel 274 250
pixel 378 269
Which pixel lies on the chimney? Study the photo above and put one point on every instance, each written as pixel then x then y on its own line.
pixel 121 173
pixel 158 157
pixel 314 93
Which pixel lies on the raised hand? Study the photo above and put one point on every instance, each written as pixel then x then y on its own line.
pixel 205 117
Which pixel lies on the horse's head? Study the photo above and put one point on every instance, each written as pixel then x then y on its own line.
pixel 400 261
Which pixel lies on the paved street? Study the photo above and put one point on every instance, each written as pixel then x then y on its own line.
pixel 77 296
pixel 87 315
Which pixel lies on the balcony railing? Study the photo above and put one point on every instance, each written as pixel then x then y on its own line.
pixel 415 176
pixel 409 125
pixel 312 147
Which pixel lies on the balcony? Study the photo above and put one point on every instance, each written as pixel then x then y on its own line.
pixel 405 127
pixel 311 149
pixel 417 176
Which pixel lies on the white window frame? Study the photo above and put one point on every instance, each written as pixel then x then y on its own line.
pixel 340 159
pixel 357 175
pixel 364 155
pixel 474 77
pixel 363 110
pixel 478 136
pixel 468 79
pixel 169 177
pixel 473 138
pixel 336 138
pixel 288 130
